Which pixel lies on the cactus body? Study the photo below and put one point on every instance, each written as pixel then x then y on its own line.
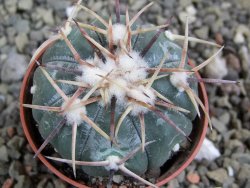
pixel 118 97
pixel 90 146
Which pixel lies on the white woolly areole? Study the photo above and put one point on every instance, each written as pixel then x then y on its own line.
pixel 74 116
pixel 113 163
pixel 126 62
pixel 179 79
pixel 132 61
pixel 92 61
pixel 136 75
pixel 138 109
pixel 134 67
pixel 169 35
pixel 141 94
pixel 33 89
pixel 91 75
pixel 119 32
pixel 118 90
pixel 123 74
pixel 108 66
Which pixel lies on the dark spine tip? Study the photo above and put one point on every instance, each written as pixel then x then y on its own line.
pixel 112 119
pixel 50 137
pixel 154 38
pixel 81 29
pixel 99 38
pixel 98 52
pixel 118 11
pixel 150 44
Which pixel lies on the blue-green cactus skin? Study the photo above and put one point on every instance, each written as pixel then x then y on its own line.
pixel 90 145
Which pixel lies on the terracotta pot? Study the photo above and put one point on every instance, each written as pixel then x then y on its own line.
pixel 175 165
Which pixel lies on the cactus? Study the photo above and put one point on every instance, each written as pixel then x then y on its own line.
pixel 114 96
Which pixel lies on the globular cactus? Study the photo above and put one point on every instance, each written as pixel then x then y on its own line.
pixel 115 96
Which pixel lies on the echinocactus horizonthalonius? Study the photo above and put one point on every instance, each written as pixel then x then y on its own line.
pixel 114 96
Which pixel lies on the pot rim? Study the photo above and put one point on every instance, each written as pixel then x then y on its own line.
pixel 24 88
pixel 204 124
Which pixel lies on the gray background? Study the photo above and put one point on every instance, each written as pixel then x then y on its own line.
pixel 25 24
